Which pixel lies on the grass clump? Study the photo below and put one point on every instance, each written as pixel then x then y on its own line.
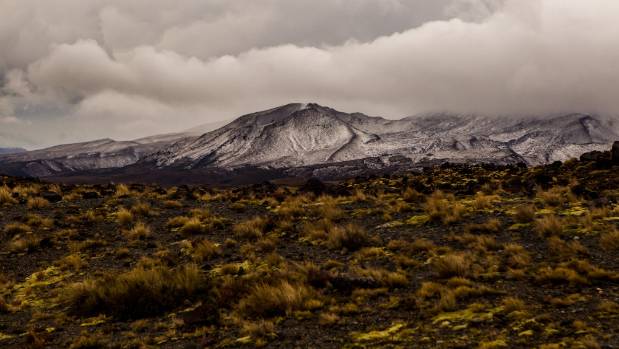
pixel 124 216
pixel 444 208
pixel 269 300
pixel 6 196
pixel 549 225
pixel 451 265
pixel 37 203
pixel 251 229
pixel 609 241
pixel 140 292
pixel 351 237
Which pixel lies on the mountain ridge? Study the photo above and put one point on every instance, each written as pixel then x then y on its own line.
pixel 299 135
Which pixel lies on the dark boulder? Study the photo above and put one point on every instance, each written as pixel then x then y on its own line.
pixel 314 185
pixel 51 196
pixel 615 152
pixel 91 195
pixel 594 156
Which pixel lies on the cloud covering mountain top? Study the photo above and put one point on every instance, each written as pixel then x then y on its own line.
pixel 74 70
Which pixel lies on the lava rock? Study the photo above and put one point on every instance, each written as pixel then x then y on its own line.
pixel 615 152
pixel 51 196
pixel 91 195
pixel 314 185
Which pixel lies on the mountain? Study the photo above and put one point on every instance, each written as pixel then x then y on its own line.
pixel 11 150
pixel 298 136
pixel 308 134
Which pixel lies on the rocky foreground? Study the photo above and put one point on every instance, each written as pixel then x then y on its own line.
pixel 455 256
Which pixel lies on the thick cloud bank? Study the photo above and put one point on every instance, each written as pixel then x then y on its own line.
pixel 133 68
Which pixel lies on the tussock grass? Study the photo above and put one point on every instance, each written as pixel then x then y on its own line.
pixel 549 225
pixel 451 265
pixel 609 241
pixel 351 237
pixel 124 216
pixel 444 208
pixel 140 292
pixel 269 300
pixel 251 229
pixel 6 196
pixel 37 203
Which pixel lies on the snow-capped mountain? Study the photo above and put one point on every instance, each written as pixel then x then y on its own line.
pixel 307 134
pixel 297 135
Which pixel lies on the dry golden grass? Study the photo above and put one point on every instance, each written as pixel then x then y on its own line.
pixel 72 262
pixel 137 293
pixel 139 231
pixel 251 229
pixel 549 225
pixel 124 217
pixel 351 237
pixel 6 196
pixel 511 304
pixel 451 265
pixel 524 213
pixel 444 207
pixel 122 191
pixel 558 246
pixel 269 300
pixel 205 250
pixel 142 209
pixel 609 241
pixel 517 256
pixel 560 275
pixel 16 228
pixel 37 203
pixel 24 243
pixel 190 226
pixel 491 226
pixel 483 201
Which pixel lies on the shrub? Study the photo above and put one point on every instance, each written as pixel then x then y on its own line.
pixel 351 237
pixel 192 226
pixel 560 275
pixel 251 229
pixel 205 250
pixel 139 231
pixel 609 241
pixel 444 208
pixel 6 197
pixel 269 300
pixel 122 190
pixel 524 213
pixel 37 203
pixel 124 216
pixel 482 201
pixel 137 293
pixel 451 265
pixel 549 225
pixel 491 226
pixel 13 229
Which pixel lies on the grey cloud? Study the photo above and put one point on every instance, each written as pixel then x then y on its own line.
pixel 153 67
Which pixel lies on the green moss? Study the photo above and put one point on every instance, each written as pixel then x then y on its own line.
pixel 418 220
pixel 474 313
pixel 379 335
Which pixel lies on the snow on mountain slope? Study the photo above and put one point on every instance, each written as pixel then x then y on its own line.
pixel 307 134
pixel 297 134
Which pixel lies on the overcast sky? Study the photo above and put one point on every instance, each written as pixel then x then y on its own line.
pixel 74 70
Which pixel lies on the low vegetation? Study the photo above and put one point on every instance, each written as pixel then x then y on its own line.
pixel 454 256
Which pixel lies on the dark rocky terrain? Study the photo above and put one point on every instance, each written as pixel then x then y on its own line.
pixel 451 256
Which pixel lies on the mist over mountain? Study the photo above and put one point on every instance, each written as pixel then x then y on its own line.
pixel 297 135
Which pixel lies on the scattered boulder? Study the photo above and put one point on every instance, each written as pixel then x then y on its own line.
pixel 615 153
pixel 51 196
pixel 594 156
pixel 314 185
pixel 90 195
